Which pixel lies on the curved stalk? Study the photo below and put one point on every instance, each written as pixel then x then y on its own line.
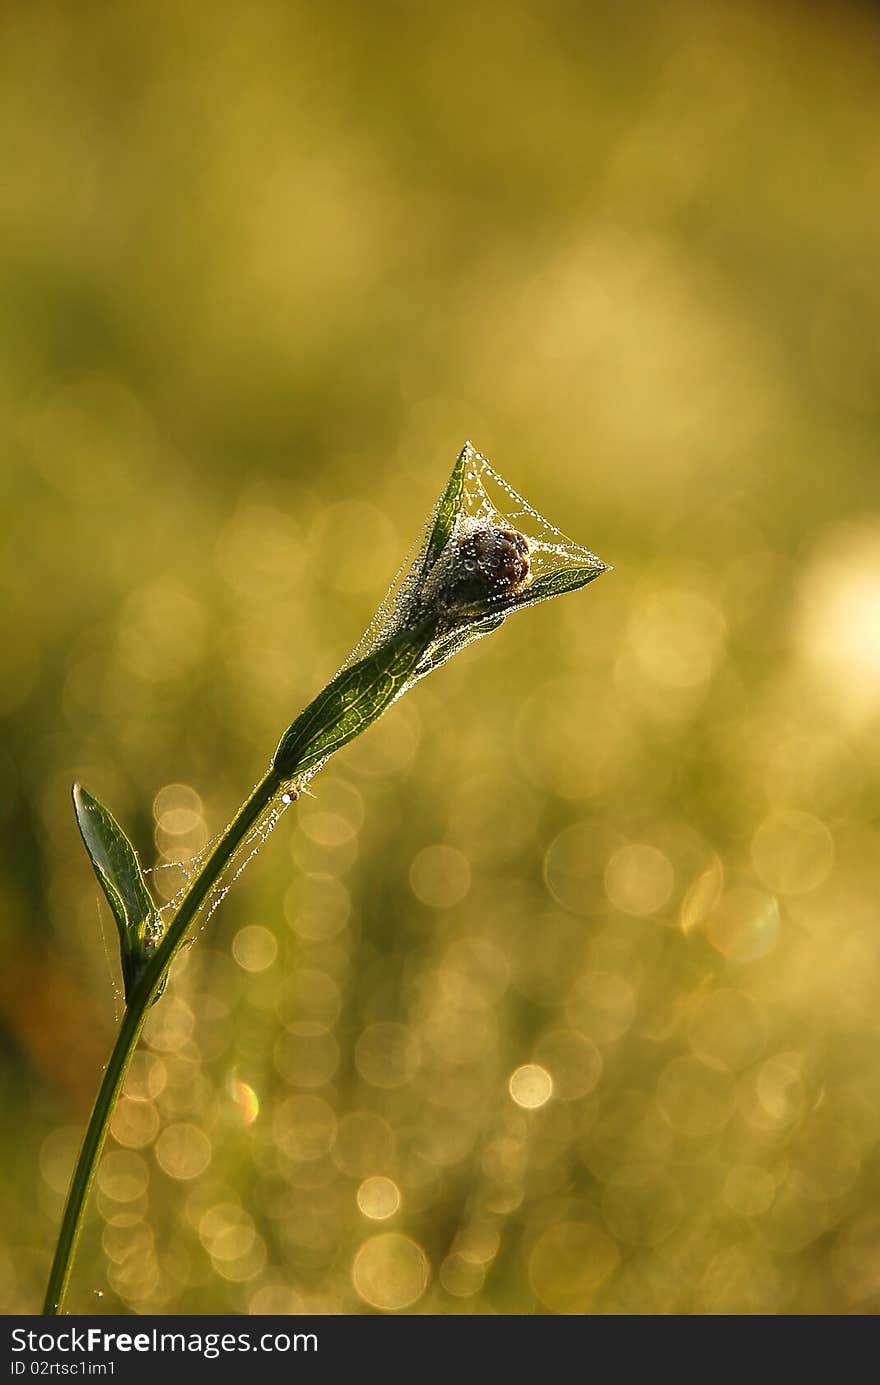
pixel 130 1030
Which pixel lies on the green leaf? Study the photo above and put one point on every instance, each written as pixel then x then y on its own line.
pixel 447 512
pixel 568 579
pixel 119 874
pixel 356 697
pixel 449 644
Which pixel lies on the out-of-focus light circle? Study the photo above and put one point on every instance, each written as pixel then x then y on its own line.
pixel 304 1127
pixel 478 1243
pixel 123 1176
pixel 745 924
pixel 387 1054
pixel 183 1151
pixel 363 1142
pixel 119 1243
pixel 568 1264
pixel 170 1025
pixel 530 1086
pixel 573 1062
pixel 460 1277
pixel 254 948
pixel 146 1077
pixel 391 745
pixel 574 867
pixel 226 1231
pixel 135 1124
pixel 178 809
pixel 390 1271
pixel 378 1197
pixel 275 1300
pixel 792 852
pixel 440 876
pixel 639 879
pixel 317 907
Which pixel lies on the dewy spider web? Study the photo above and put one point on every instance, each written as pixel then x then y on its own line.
pixel 488 501
pixel 420 593
pixel 249 848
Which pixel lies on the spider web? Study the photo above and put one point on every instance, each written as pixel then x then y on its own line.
pixel 488 501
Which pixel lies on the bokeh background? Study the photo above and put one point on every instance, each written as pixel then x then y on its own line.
pixel 562 994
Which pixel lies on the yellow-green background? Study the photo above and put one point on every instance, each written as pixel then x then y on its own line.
pixel 263 267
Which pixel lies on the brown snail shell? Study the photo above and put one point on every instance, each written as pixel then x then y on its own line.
pixel 488 563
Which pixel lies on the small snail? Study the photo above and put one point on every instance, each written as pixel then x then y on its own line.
pixel 486 564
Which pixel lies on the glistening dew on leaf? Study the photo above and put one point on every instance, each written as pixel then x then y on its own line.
pixel 485 554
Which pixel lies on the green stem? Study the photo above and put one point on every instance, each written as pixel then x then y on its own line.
pixel 130 1030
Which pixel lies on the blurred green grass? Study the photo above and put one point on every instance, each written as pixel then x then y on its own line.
pixel 262 270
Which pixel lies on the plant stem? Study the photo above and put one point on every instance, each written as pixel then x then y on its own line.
pixel 130 1030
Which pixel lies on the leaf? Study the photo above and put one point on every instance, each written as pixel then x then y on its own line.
pixel 356 697
pixel 448 645
pixel 556 583
pixel 447 512
pixel 119 874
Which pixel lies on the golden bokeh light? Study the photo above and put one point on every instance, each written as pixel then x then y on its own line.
pixel 440 876
pixel 364 1141
pixel 387 1055
pixel 390 1271
pixel 530 1086
pixel 639 879
pixel 183 1150
pixel 135 1124
pixel 378 1197
pixel 123 1176
pixel 304 1127
pixel 254 948
pixel 744 925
